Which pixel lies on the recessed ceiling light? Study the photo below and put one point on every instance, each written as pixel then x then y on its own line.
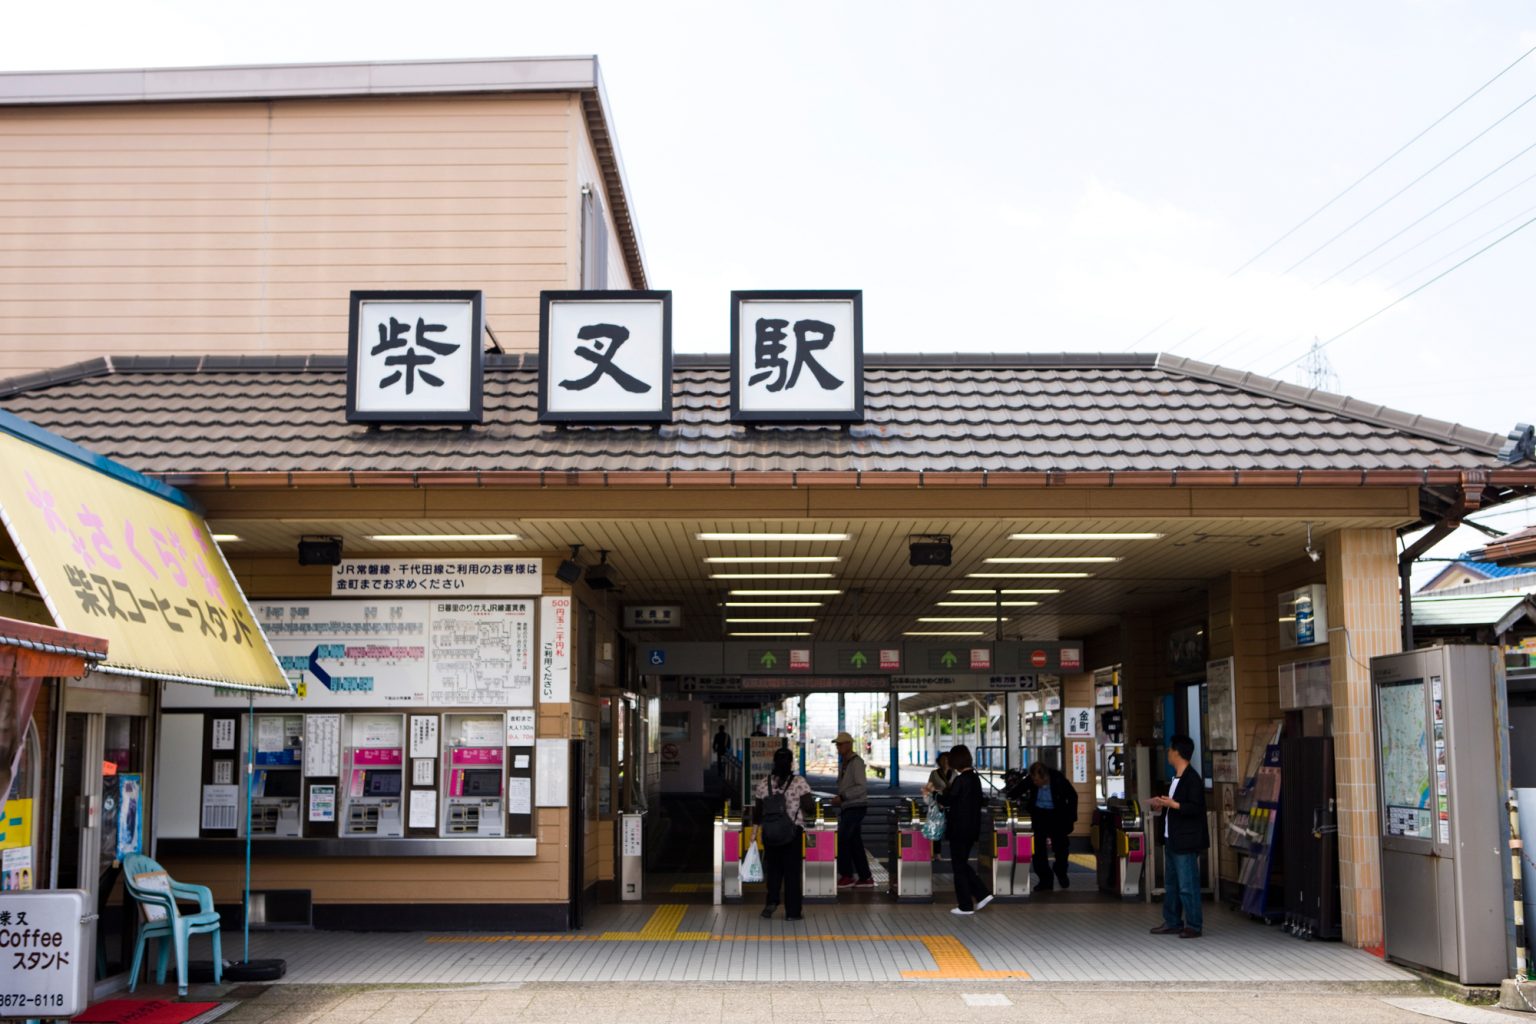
pixel 774 604
pixel 736 633
pixel 784 593
pixel 819 537
pixel 777 622
pixel 225 538
pixel 960 618
pixel 770 575
pixel 945 632
pixel 733 559
pixel 1030 560
pixel 988 604
pixel 1086 536
pixel 1030 575
pixel 450 538
pixel 1046 590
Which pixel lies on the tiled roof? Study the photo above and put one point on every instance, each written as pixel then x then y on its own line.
pixel 1493 570
pixel 1500 611
pixel 1061 413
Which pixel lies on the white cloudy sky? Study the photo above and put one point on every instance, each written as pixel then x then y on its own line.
pixel 1018 176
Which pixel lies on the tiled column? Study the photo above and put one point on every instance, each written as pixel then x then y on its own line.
pixel 1363 621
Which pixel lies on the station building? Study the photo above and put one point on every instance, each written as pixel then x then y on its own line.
pixel 179 249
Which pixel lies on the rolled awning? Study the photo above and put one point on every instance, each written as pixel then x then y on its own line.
pixel 126 558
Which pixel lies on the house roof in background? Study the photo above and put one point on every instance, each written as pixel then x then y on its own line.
pixel 1497 612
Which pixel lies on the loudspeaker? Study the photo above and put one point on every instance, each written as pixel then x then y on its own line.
pixel 319 550
pixel 602 577
pixel 933 552
pixel 568 572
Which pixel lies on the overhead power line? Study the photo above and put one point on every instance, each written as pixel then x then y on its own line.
pixel 1388 159
pixel 1405 297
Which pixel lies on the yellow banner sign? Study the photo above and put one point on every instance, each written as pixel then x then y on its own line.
pixel 114 559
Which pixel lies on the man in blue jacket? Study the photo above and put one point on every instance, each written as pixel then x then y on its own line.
pixel 1185 836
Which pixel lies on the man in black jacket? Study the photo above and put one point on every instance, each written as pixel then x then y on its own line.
pixel 1052 804
pixel 1185 837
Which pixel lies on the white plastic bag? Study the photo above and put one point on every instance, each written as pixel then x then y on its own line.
pixel 752 863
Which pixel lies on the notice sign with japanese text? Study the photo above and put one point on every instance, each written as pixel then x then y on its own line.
pixel 48 962
pixel 555 650
pixel 414 357
pixel 797 357
pixel 449 577
pixel 605 357
pixel 120 557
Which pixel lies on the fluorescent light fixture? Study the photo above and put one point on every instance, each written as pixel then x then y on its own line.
pixel 1086 536
pixel 1065 560
pixel 988 604
pixel 784 593
pixel 765 559
pixel 776 622
pixel 770 575
pixel 960 618
pixel 774 604
pixel 1046 590
pixel 449 538
pixel 225 538
pixel 945 632
pixel 1030 575
pixel 818 537
pixel 735 633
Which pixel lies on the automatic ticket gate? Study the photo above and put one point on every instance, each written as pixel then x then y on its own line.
pixel 911 857
pixel 1005 861
pixel 730 847
pixel 819 852
pixel 820 868
pixel 1120 846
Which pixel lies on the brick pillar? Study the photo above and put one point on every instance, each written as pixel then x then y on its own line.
pixel 1363 621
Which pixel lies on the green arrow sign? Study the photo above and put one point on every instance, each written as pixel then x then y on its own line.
pixel 768 660
pixel 949 659
pixel 859 659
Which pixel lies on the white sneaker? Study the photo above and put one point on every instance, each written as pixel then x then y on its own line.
pixel 981 903
pixel 962 913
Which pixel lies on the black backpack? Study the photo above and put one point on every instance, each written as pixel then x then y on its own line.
pixel 778 826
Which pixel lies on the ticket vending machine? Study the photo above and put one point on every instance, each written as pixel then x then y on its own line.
pixel 1442 763
pixel 276 788
pixel 474 776
pixel 372 761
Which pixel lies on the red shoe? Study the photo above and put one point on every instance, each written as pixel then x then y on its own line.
pixel 845 881
pixel 864 883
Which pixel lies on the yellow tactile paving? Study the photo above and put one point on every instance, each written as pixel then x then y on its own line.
pixel 956 962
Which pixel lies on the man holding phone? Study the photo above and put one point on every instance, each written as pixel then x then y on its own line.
pixel 1185 837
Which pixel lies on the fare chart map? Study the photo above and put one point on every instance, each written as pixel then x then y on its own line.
pixel 1405 769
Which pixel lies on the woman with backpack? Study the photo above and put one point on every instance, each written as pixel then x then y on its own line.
pixel 783 800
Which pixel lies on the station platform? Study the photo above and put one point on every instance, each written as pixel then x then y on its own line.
pixel 1042 942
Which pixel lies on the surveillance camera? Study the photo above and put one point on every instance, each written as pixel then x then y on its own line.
pixel 1314 555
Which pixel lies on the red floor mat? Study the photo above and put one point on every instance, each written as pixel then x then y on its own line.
pixel 144 1011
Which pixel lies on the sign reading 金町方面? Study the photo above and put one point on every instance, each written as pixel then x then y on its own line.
pixel 414 357
pixel 797 356
pixel 605 357
pixel 425 577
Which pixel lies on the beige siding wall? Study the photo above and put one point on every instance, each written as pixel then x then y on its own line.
pixel 188 229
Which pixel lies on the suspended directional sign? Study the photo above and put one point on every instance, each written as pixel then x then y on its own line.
pixel 797 356
pixel 605 357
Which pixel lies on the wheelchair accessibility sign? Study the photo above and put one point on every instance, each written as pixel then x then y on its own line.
pixel 658 657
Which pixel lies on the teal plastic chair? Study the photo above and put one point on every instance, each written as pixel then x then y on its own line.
pixel 164 921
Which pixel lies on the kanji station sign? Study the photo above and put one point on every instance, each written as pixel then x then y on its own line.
pixel 605 357
pixel 130 560
pixel 797 357
pixel 414 357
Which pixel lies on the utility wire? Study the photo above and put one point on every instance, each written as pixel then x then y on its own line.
pixel 1389 158
pixel 1433 168
pixel 1469 243
pixel 1404 298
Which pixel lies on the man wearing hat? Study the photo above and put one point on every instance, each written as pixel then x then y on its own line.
pixel 852 801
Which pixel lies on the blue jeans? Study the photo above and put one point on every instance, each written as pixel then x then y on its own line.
pixel 1181 890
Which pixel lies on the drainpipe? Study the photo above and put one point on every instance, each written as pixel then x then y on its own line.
pixel 1434 535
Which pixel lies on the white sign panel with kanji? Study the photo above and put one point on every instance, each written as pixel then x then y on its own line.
pixel 797 357
pixel 414 357
pixel 605 357
pixel 47 953
pixel 1078 721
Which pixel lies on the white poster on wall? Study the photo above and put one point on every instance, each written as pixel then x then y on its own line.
pixel 438 577
pixel 322 745
pixel 1221 694
pixel 423 735
pixel 1078 722
pixel 555 650
pixel 522 727
pixel 552 773
pixel 482 653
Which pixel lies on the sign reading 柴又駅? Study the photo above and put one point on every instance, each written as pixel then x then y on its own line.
pixel 127 559
pixel 797 357
pixel 605 357
pixel 423 577
pixel 394 653
pixel 414 357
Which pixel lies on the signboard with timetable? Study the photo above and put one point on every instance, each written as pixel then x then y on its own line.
pixel 424 577
pixel 797 356
pixel 414 357
pixel 605 357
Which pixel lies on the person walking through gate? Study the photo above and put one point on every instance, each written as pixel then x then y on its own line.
pixel 783 800
pixel 852 802
pixel 962 802
pixel 722 749
pixel 938 781
pixel 1052 804
pixel 1185 836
